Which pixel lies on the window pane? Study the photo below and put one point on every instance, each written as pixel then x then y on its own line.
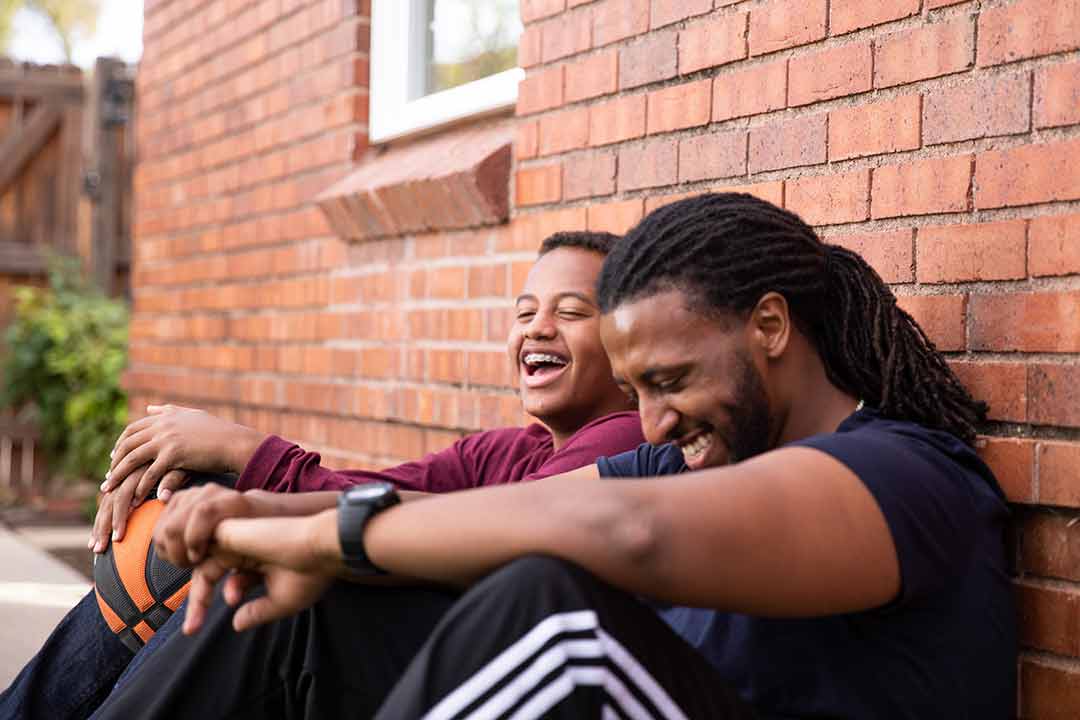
pixel 469 40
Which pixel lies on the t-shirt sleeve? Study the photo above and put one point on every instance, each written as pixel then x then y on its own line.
pixel 644 461
pixel 281 466
pixel 927 499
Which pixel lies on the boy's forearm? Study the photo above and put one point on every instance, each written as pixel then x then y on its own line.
pixel 294 504
pixel 241 447
pixel 309 503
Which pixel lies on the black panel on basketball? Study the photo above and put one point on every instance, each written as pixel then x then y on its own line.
pixel 107 580
pixel 162 577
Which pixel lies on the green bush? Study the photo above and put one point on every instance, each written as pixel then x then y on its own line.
pixel 66 350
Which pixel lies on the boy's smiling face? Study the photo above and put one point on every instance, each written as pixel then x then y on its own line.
pixel 562 369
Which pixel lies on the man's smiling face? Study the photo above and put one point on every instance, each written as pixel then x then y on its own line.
pixel 554 343
pixel 693 376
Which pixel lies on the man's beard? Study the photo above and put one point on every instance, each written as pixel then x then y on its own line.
pixel 751 425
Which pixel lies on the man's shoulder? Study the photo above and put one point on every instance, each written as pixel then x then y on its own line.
pixel 891 449
pixel 868 428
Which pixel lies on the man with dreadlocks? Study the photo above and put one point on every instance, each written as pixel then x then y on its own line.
pixel 828 544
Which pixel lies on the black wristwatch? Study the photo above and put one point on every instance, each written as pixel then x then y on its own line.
pixel 356 507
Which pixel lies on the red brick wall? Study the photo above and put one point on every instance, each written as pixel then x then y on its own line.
pixel 940 139
pixel 246 304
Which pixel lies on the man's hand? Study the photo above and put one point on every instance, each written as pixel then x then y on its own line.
pixel 296 557
pixel 116 505
pixel 186 527
pixel 172 437
pixel 287 591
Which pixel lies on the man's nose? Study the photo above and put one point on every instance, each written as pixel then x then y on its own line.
pixel 658 420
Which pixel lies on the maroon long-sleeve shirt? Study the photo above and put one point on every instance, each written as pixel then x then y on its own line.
pixel 493 457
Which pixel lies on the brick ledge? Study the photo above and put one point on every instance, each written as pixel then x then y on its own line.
pixel 455 180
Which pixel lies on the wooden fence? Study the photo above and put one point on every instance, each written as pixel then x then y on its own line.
pixel 66 159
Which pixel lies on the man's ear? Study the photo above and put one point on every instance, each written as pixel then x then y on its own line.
pixel 770 325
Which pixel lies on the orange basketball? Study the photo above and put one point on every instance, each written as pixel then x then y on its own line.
pixel 138 591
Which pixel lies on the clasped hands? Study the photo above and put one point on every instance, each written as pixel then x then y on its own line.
pixel 243 538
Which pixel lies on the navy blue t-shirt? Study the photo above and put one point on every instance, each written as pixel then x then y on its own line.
pixel 945 647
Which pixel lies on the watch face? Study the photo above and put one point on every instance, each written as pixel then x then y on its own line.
pixel 366 492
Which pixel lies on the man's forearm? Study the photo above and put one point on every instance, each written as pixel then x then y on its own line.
pixel 460 541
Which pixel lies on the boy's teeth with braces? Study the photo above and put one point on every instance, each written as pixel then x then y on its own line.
pixel 537 358
pixel 697 447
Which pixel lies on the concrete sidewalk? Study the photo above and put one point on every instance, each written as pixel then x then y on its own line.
pixel 36 590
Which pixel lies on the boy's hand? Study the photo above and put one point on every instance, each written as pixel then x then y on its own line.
pixel 116 505
pixel 172 437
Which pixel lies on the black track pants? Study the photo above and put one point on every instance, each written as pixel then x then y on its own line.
pixel 542 638
pixel 539 638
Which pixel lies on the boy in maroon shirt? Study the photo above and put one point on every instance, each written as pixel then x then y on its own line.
pixel 563 374
pixel 565 381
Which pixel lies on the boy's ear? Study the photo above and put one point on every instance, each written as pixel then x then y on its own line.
pixel 770 325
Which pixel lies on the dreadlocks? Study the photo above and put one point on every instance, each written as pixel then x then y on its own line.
pixel 597 242
pixel 725 251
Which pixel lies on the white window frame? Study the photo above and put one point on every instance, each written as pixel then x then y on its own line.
pixel 395 68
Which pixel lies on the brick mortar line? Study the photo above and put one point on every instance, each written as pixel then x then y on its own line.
pixel 310 379
pixel 194 232
pixel 368 269
pixel 1047 285
pixel 1036 432
pixel 240 315
pixel 491 259
pixel 356 382
pixel 418 344
pixel 1013 357
pixel 1046 583
pixel 157 263
pixel 1050 660
pixel 1034 211
pixel 415 305
pixel 1036 460
pixel 394 417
